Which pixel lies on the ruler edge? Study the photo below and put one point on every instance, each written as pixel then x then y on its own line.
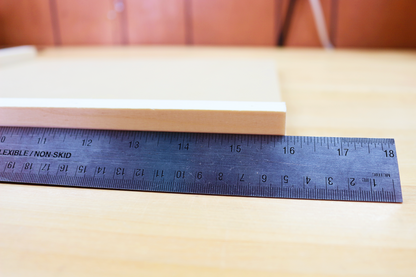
pixel 7 182
pixel 187 133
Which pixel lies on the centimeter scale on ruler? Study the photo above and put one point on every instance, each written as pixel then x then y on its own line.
pixel 332 168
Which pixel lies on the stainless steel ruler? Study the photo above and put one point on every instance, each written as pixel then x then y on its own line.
pixel 331 168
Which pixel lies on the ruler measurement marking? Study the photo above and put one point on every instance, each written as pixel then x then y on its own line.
pixel 192 162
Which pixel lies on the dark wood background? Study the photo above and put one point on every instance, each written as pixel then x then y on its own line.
pixel 351 23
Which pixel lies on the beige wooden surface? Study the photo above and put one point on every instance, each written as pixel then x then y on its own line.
pixel 55 231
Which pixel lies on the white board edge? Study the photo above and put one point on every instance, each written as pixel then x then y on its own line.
pixel 143 104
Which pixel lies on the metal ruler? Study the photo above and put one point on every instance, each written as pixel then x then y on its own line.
pixel 356 169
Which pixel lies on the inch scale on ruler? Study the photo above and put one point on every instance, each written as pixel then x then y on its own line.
pixel 355 169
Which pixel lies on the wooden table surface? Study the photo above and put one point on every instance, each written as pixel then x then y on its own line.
pixel 57 231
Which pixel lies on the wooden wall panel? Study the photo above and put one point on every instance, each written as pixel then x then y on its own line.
pixel 156 21
pixel 351 23
pixel 233 22
pixel 302 31
pixel 25 22
pixel 376 23
pixel 89 22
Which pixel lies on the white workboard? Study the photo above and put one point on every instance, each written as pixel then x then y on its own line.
pixel 160 79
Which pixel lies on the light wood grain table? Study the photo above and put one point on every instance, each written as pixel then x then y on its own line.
pixel 57 231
